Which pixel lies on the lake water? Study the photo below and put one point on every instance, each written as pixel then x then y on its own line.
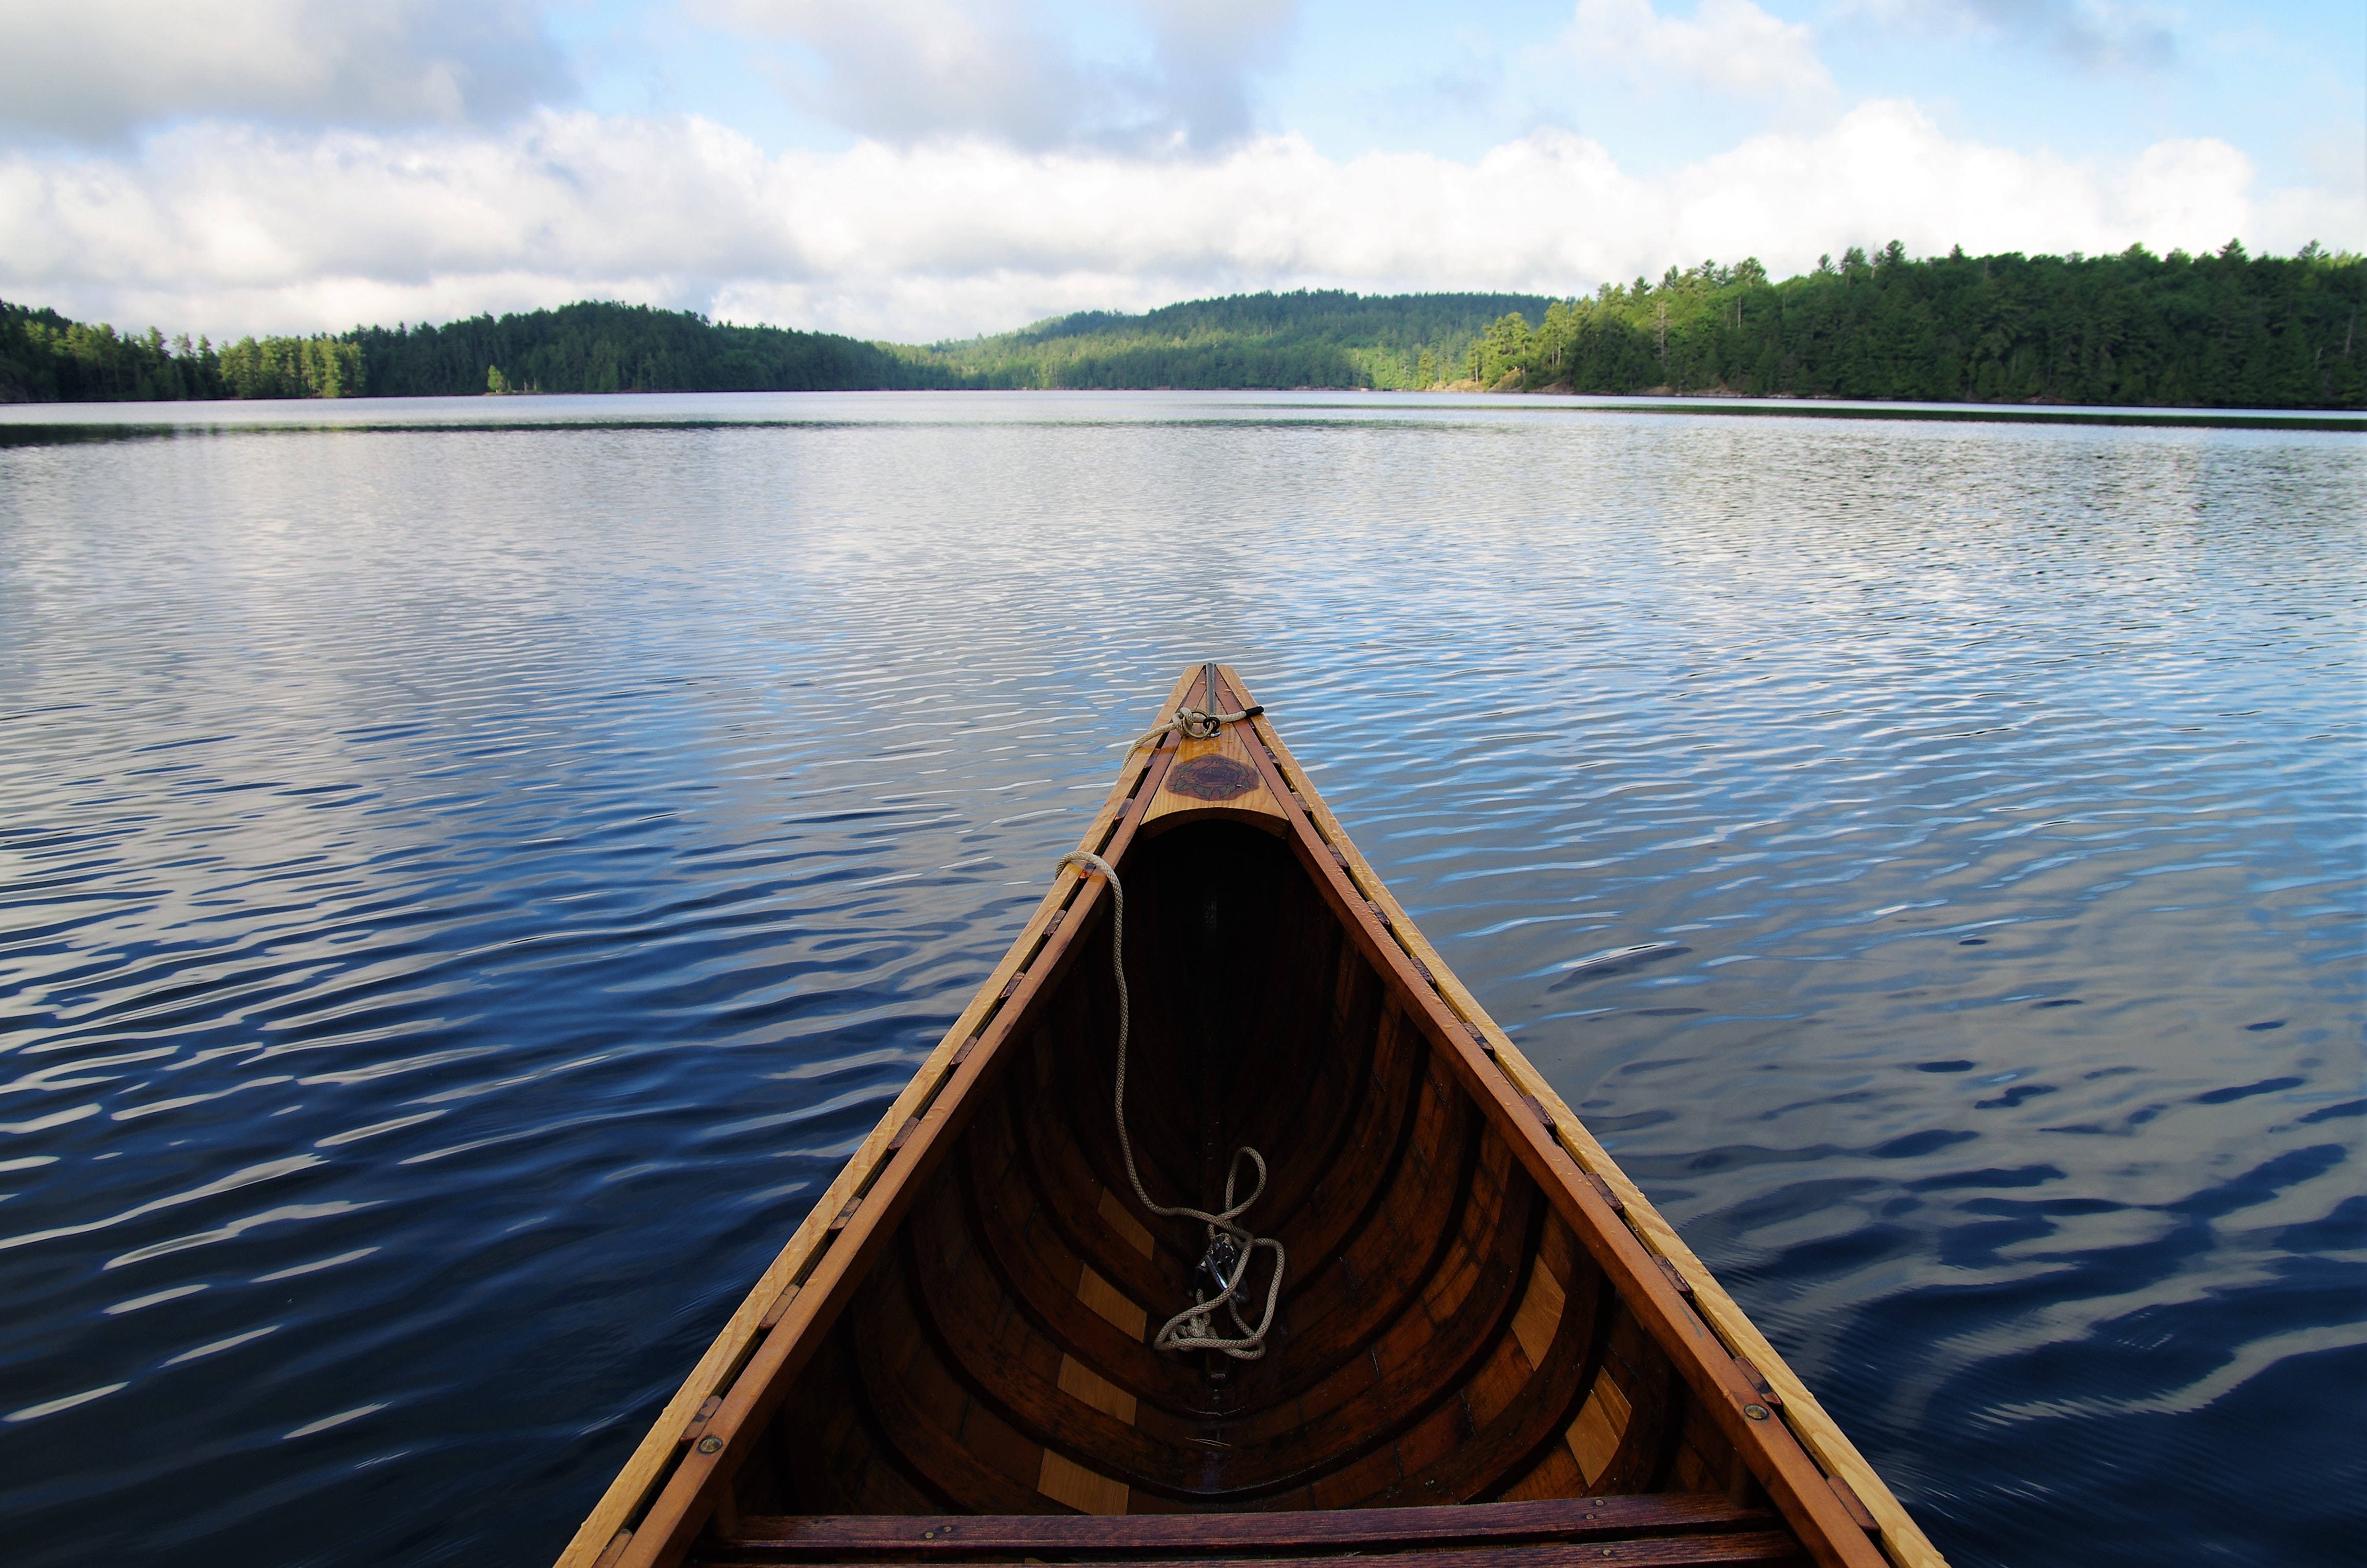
pixel 473 871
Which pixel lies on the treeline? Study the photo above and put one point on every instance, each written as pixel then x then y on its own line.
pixel 1310 338
pixel 2224 330
pixel 607 348
pixel 2210 331
pixel 44 357
pixel 593 347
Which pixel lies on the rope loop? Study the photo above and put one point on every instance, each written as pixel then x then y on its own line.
pixel 1193 1328
pixel 1194 725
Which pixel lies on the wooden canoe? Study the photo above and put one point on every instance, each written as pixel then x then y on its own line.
pixel 1487 1340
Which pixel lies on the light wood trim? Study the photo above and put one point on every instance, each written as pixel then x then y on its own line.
pixel 1901 1540
pixel 636 1484
pixel 1258 802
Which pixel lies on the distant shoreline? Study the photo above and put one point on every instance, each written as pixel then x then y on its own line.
pixel 2129 331
pixel 52 423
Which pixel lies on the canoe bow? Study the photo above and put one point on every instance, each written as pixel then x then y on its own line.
pixel 677 1490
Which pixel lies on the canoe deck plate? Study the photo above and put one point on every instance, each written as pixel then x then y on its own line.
pixel 1213 778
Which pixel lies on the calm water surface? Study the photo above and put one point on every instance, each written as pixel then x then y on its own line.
pixel 467 888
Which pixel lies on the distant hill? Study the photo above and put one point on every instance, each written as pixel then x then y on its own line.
pixel 1310 338
pixel 2224 330
pixel 2210 331
pixel 599 348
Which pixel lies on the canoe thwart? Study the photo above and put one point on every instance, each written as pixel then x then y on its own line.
pixel 1081 1536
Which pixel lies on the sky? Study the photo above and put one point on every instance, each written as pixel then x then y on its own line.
pixel 918 170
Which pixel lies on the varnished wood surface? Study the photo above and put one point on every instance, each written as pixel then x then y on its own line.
pixel 1658 1551
pixel 962 1331
pixel 952 1538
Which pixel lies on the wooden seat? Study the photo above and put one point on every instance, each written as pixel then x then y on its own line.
pixel 1668 1527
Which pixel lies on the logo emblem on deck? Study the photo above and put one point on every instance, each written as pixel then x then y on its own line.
pixel 1213 778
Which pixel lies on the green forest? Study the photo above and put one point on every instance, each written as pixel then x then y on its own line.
pixel 1324 338
pixel 2217 330
pixel 44 357
pixel 608 347
pixel 592 347
pixel 2224 331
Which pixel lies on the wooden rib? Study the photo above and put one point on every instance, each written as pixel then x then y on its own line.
pixel 834 1455
pixel 1336 1074
pixel 1509 1436
pixel 1041 1274
pixel 1366 1280
pixel 834 1537
pixel 1361 1241
pixel 1423 1321
pixel 1901 1539
pixel 1014 1371
pixel 1413 1372
pixel 1427 1204
pixel 1047 1160
pixel 1657 1397
pixel 1436 1351
pixel 940 1428
pixel 1416 1207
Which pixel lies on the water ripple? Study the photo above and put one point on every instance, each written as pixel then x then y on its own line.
pixel 463 891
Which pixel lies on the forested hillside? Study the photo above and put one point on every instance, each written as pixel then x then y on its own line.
pixel 2213 331
pixel 608 347
pixel 2224 330
pixel 591 347
pixel 1306 339
pixel 2210 331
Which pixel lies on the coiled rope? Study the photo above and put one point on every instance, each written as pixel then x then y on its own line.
pixel 1191 1329
pixel 1196 723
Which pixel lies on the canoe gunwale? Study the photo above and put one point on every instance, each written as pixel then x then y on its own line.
pixel 668 1482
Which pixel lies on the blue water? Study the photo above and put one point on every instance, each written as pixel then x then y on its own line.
pixel 468 885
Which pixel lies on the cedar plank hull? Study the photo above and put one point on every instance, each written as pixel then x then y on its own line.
pixel 1478 1349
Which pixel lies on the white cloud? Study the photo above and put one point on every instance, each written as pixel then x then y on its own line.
pixel 1204 54
pixel 233 229
pixel 99 69
pixel 906 71
pixel 1726 46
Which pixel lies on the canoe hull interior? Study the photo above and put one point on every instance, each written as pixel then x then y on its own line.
pixel 994 1360
pixel 1482 1345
